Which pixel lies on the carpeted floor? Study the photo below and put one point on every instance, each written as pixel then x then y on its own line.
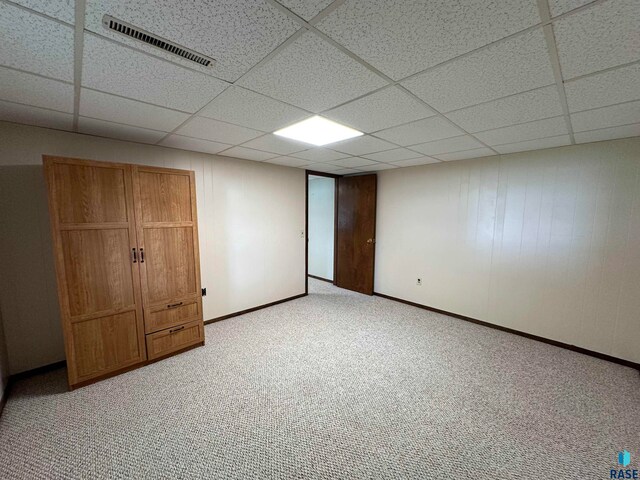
pixel 334 385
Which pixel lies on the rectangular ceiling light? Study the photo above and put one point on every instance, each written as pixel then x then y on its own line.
pixel 318 131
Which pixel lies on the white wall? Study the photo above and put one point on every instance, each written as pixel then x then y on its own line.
pixel 321 226
pixel 544 242
pixel 250 216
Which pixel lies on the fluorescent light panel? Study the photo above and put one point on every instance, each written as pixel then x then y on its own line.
pixel 317 131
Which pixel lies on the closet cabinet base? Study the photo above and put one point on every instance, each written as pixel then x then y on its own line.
pixel 134 367
pixel 177 352
pixel 99 378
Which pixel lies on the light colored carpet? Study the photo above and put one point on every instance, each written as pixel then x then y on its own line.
pixel 334 385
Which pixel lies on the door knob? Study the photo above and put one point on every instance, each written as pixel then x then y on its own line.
pixel 371 240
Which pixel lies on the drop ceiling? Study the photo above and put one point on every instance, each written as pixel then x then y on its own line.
pixel 426 81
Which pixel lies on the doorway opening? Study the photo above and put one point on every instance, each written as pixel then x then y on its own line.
pixel 322 190
pixel 340 226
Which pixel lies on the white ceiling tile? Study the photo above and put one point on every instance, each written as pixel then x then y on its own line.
pixel 513 66
pixel 320 155
pixel 599 37
pixel 104 106
pixel 236 33
pixel 416 161
pixel 475 153
pixel 393 155
pixel 61 9
pixel 243 107
pixel 117 69
pixel 288 161
pixel 405 37
pixel 548 127
pixel 33 90
pixel 362 145
pixel 275 144
pixel 383 109
pixel 323 167
pixel 353 162
pixel 448 145
pixel 421 131
pixel 102 128
pixel 377 167
pixel 248 154
pixel 214 130
pixel 614 86
pixel 540 143
pixel 608 133
pixel 558 7
pixel 606 117
pixel 346 171
pixel 306 9
pixel 193 144
pixel 36 44
pixel 520 108
pixel 12 112
pixel 312 74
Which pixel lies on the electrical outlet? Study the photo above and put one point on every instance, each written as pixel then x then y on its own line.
pixel 419 282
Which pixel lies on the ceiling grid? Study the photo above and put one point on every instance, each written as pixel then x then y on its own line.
pixel 545 14
pixel 611 115
pixel 78 47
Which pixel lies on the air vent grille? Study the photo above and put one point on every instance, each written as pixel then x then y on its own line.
pixel 150 39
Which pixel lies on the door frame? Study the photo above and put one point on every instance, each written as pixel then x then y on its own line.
pixel 309 173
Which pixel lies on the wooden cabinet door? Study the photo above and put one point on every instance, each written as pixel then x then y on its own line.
pixel 94 234
pixel 165 203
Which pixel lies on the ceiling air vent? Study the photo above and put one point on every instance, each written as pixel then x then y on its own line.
pixel 150 39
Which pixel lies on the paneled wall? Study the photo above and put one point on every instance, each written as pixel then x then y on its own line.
pixel 250 216
pixel 545 242
pixel 322 194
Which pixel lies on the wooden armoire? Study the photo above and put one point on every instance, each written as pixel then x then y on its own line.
pixel 125 242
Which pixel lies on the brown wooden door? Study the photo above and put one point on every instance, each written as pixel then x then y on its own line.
pixel 165 203
pixel 93 225
pixel 355 249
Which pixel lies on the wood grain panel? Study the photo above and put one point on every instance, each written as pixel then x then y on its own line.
pixel 97 264
pixel 173 339
pixel 165 316
pixel 105 344
pixel 164 197
pixel 165 200
pixel 169 263
pixel 98 282
pixel 356 231
pixel 90 194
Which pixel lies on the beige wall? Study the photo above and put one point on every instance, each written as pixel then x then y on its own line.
pixel 545 242
pixel 250 217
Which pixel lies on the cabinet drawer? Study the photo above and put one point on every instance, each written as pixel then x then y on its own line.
pixel 162 317
pixel 174 339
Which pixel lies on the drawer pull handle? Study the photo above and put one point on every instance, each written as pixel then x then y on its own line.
pixel 173 330
pixel 174 305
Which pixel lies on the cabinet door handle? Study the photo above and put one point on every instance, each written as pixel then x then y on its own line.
pixel 173 330
pixel 174 305
pixel 141 255
pixel 135 256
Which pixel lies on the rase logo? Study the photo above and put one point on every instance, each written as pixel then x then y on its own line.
pixel 624 459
